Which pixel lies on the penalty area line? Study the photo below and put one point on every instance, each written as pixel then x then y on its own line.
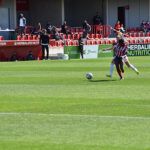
pixel 72 115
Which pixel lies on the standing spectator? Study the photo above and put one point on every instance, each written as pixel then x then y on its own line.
pixel 22 24
pixel 86 29
pixel 44 41
pixel 122 29
pixel 48 28
pixel 97 19
pixel 82 41
pixel 117 26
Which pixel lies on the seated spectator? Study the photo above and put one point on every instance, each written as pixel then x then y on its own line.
pixel 38 29
pixel 55 34
pixel 147 26
pixel 65 28
pixel 86 29
pixel 143 26
pixel 14 57
pixel 30 56
pixel 97 19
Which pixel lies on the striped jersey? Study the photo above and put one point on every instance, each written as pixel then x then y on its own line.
pixel 121 50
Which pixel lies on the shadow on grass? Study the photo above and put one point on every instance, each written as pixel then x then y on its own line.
pixel 102 80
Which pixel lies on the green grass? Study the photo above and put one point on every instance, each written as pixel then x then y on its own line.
pixel 50 105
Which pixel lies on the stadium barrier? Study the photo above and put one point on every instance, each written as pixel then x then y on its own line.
pixel 20 48
pixel 137 47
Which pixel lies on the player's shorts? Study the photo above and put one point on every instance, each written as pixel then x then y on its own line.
pixel 125 58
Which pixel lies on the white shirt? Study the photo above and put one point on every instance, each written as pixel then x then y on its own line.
pixel 22 22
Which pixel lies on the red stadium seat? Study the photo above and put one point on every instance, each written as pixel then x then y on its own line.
pixel 76 43
pixel 92 36
pixel 24 37
pixel 29 37
pixel 141 34
pixel 1 38
pixel 34 37
pixel 52 43
pixel 18 37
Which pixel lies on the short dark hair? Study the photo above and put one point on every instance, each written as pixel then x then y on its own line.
pixel 121 41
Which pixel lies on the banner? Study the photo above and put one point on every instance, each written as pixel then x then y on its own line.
pixel 103 52
pixel 72 51
pixel 90 51
pixel 139 50
pixel 133 50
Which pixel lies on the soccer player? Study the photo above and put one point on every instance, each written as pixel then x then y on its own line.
pixel 124 58
pixel 112 62
pixel 121 57
pixel 120 51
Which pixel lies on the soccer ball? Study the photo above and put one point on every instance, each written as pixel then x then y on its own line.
pixel 89 75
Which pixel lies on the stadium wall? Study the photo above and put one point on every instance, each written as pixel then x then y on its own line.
pixel 76 11
pixel 46 10
pixel 135 12
pixel 8 14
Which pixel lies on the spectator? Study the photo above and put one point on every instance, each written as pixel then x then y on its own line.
pixel 48 28
pixel 14 57
pixel 55 34
pixel 38 29
pixel 44 41
pixel 65 28
pixel 30 56
pixel 22 24
pixel 122 29
pixel 86 29
pixel 97 19
pixel 82 41
pixel 117 26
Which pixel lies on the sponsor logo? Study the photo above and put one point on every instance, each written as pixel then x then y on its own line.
pixel 26 43
pixel 139 47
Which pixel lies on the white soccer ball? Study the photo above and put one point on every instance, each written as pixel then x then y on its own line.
pixel 89 75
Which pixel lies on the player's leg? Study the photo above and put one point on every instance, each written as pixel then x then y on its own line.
pixel 111 69
pixel 121 68
pixel 129 65
pixel 117 63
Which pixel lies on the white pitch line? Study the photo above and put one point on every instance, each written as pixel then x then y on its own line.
pixel 72 115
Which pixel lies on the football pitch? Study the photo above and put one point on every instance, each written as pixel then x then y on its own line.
pixel 50 105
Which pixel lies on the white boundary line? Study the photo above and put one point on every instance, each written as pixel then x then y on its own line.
pixel 73 115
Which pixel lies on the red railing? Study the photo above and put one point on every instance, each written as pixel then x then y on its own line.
pixel 104 30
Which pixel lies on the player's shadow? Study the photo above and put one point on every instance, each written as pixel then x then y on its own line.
pixel 102 80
